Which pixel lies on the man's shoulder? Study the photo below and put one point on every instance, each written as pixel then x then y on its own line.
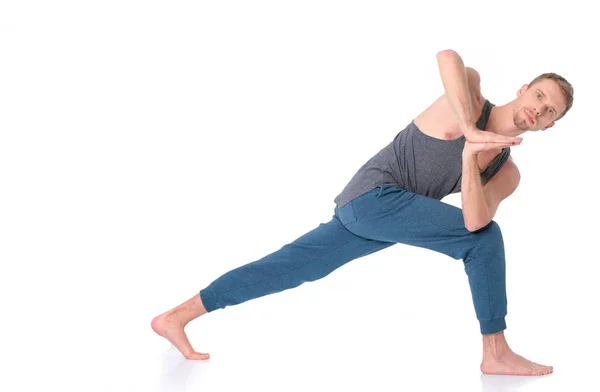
pixel 510 170
pixel 505 181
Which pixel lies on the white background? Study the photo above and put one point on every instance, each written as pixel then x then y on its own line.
pixel 148 147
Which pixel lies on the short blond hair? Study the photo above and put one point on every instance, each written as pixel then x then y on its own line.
pixel 565 86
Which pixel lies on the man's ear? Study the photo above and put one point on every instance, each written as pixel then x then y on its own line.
pixel 522 90
pixel 549 126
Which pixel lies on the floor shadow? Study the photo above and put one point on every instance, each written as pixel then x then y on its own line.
pixel 498 383
pixel 178 372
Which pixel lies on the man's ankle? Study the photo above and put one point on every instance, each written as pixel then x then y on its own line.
pixel 495 345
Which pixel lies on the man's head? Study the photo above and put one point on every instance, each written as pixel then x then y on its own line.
pixel 542 102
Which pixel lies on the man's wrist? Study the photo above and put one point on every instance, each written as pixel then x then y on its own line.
pixel 470 129
pixel 469 155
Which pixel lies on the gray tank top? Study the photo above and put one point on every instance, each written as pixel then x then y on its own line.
pixel 420 163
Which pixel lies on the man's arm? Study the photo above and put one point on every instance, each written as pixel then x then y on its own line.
pixel 462 88
pixel 480 202
pixel 461 84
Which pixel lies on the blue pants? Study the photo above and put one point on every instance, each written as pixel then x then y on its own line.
pixel 373 221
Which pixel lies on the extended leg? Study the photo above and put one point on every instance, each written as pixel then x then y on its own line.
pixel 310 257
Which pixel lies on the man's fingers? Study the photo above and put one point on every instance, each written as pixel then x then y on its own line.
pixel 506 143
pixel 490 137
pixel 505 139
pixel 486 146
pixel 514 140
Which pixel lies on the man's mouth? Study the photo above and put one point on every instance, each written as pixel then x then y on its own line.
pixel 529 116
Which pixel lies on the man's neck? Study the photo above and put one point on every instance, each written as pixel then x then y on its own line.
pixel 501 121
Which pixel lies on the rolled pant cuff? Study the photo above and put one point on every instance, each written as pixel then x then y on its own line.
pixel 492 326
pixel 208 300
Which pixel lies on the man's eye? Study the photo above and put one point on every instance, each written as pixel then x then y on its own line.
pixel 538 95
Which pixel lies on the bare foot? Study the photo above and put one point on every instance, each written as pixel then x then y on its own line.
pixel 170 325
pixel 498 358
pixel 171 329
pixel 510 363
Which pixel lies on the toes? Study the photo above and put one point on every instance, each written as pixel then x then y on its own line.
pixel 539 370
pixel 196 355
pixel 545 370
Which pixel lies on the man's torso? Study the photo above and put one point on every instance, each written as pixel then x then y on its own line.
pixel 439 121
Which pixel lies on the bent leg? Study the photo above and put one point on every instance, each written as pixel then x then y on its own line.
pixel 312 256
pixel 390 213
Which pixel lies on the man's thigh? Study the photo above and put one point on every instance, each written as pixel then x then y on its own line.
pixel 390 213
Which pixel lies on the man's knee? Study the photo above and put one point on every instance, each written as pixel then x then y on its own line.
pixel 487 247
pixel 490 235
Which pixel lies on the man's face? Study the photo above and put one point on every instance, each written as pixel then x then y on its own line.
pixel 538 105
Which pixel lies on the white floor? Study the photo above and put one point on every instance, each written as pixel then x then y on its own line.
pixel 387 330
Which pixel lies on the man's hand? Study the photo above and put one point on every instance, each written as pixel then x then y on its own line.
pixel 472 148
pixel 474 135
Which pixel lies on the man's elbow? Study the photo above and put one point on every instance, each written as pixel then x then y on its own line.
pixel 445 53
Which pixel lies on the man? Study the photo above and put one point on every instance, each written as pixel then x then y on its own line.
pixel 461 143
